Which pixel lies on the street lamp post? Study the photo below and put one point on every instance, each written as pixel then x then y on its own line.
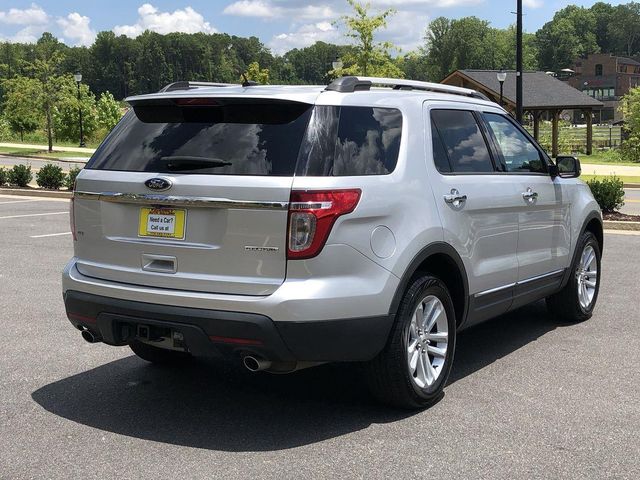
pixel 519 73
pixel 78 78
pixel 502 76
pixel 337 63
pixel 610 136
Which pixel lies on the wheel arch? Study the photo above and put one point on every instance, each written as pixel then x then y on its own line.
pixel 441 260
pixel 592 223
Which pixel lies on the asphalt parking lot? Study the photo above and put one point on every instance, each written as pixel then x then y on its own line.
pixel 528 398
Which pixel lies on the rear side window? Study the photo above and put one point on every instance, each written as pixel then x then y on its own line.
pixel 342 141
pixel 520 155
pixel 223 139
pixel 463 142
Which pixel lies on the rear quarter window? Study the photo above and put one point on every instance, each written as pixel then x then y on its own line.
pixel 351 141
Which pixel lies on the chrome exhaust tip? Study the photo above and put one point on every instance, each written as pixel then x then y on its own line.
pixel 89 337
pixel 254 364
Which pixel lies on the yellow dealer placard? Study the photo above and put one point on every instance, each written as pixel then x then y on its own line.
pixel 162 222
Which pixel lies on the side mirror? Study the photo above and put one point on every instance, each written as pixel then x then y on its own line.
pixel 568 167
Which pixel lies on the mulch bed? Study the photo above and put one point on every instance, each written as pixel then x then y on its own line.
pixel 621 217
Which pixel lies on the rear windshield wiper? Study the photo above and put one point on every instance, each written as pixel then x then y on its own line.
pixel 185 162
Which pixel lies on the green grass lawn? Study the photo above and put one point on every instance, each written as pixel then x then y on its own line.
pixel 604 158
pixel 625 179
pixel 30 152
pixel 36 138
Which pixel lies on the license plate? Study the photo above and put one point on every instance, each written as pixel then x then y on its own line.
pixel 162 222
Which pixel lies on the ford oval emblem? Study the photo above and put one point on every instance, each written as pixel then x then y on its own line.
pixel 158 184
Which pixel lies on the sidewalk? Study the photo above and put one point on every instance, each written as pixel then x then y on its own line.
pixel 56 148
pixel 609 169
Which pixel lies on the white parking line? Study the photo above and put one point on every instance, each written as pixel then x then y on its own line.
pixel 51 235
pixel 18 201
pixel 34 215
pixel 623 232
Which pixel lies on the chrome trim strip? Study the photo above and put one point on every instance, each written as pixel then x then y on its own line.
pixel 181 200
pixel 522 282
pixel 494 290
pixel 540 277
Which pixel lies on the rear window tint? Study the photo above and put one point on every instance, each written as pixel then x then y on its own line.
pixel 464 143
pixel 274 138
pixel 245 139
pixel 439 153
pixel 343 141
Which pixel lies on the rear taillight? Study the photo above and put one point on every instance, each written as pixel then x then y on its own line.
pixel 311 217
pixel 72 219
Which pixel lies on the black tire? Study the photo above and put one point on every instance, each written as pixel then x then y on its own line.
pixel 389 376
pixel 565 305
pixel 158 355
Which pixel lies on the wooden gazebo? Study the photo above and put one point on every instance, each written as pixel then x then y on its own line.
pixel 541 92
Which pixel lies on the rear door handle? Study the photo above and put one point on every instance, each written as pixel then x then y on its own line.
pixel 530 195
pixel 455 198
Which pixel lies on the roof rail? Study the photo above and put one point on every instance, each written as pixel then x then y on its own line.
pixel 353 84
pixel 188 85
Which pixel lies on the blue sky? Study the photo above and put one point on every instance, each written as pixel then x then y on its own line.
pixel 280 24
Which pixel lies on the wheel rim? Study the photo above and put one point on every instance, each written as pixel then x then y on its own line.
pixel 427 341
pixel 587 276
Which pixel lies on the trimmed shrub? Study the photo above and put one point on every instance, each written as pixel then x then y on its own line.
pixel 20 175
pixel 70 181
pixel 608 192
pixel 4 176
pixel 50 176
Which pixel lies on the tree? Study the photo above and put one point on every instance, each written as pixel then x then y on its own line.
pixel 630 107
pixel 66 117
pixel 21 108
pixel 45 69
pixel 108 111
pixel 368 57
pixel 624 29
pixel 256 74
pixel 470 42
pixel 310 64
pixel 571 34
pixel 603 13
pixel 438 40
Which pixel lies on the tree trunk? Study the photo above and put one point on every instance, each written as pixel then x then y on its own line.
pixel 49 133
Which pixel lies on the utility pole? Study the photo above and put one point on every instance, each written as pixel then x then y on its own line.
pixel 519 108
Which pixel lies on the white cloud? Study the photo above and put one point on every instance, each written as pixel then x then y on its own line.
pixel 186 20
pixel 533 3
pixel 305 36
pixel 269 9
pixel 252 8
pixel 425 3
pixel 34 15
pixel 76 27
pixel 28 34
pixel 405 29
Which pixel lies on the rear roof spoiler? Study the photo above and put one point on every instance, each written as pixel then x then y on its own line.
pixel 188 85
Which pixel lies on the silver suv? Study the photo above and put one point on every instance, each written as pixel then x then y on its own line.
pixel 288 226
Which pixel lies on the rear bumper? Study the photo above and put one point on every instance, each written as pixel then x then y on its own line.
pixel 222 333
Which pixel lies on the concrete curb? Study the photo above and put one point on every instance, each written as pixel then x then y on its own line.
pixel 34 192
pixel 49 159
pixel 620 225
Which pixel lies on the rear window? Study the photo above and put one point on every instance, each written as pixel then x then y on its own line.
pixel 273 138
pixel 227 139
